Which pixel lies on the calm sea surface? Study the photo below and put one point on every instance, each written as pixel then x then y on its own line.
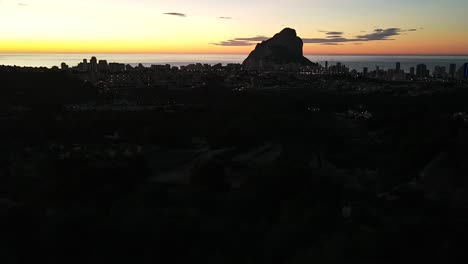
pixel 357 62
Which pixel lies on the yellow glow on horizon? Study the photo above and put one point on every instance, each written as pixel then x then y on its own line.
pixel 122 46
pixel 458 47
pixel 139 26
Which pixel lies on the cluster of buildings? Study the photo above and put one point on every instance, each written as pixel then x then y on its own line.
pixel 119 79
pixel 94 66
pixel 98 68
pixel 420 72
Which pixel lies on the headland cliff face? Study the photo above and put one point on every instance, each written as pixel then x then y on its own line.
pixel 285 48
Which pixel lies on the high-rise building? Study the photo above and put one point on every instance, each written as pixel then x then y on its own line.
pixel 85 65
pixel 344 69
pixel 338 67
pixel 93 64
pixel 465 71
pixel 326 64
pixel 398 67
pixel 443 72
pixel 421 71
pixel 102 65
pixel 453 70
pixel 412 71
pixel 440 72
pixel 436 71
pixel 365 71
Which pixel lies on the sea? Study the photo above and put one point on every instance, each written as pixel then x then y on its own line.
pixel 357 62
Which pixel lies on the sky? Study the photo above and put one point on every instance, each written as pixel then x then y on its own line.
pixel 215 26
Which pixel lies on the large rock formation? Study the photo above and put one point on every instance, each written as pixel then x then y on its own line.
pixel 285 48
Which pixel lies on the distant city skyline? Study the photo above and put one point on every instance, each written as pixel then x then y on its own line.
pixel 368 27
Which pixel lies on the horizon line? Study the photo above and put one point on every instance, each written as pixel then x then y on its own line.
pixel 227 53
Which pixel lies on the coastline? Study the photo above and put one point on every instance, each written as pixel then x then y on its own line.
pixel 357 62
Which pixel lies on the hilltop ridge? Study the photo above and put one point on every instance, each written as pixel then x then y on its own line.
pixel 283 48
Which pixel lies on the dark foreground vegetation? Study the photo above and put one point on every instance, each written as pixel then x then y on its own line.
pixel 315 170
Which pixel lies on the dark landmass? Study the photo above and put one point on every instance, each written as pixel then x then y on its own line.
pixel 216 164
pixel 283 49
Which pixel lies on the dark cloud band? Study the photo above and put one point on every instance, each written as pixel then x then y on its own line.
pixel 334 33
pixel 331 38
pixel 239 42
pixel 175 14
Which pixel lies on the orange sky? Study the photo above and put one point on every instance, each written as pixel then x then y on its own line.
pixel 141 26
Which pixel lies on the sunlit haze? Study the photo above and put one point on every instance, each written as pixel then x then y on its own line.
pixel 213 26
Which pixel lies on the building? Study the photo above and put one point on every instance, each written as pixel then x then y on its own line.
pixel 462 73
pixel 440 72
pixel 465 71
pixel 229 67
pixel 166 67
pixel 64 66
pixel 116 67
pixel 452 70
pixel 398 67
pixel 412 71
pixel 443 72
pixel 85 65
pixel 365 71
pixel 344 69
pixel 102 66
pixel 93 64
pixel 421 71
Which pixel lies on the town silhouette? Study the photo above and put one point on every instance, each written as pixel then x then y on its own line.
pixel 275 160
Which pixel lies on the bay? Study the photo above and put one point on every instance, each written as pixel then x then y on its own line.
pixel 357 62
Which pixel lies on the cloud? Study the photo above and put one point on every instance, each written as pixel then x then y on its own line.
pixel 175 14
pixel 384 34
pixel 330 44
pixel 257 38
pixel 334 33
pixel 377 35
pixel 325 40
pixel 22 4
pixel 327 32
pixel 331 38
pixel 234 43
pixel 239 42
pixel 381 34
pixel 225 17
